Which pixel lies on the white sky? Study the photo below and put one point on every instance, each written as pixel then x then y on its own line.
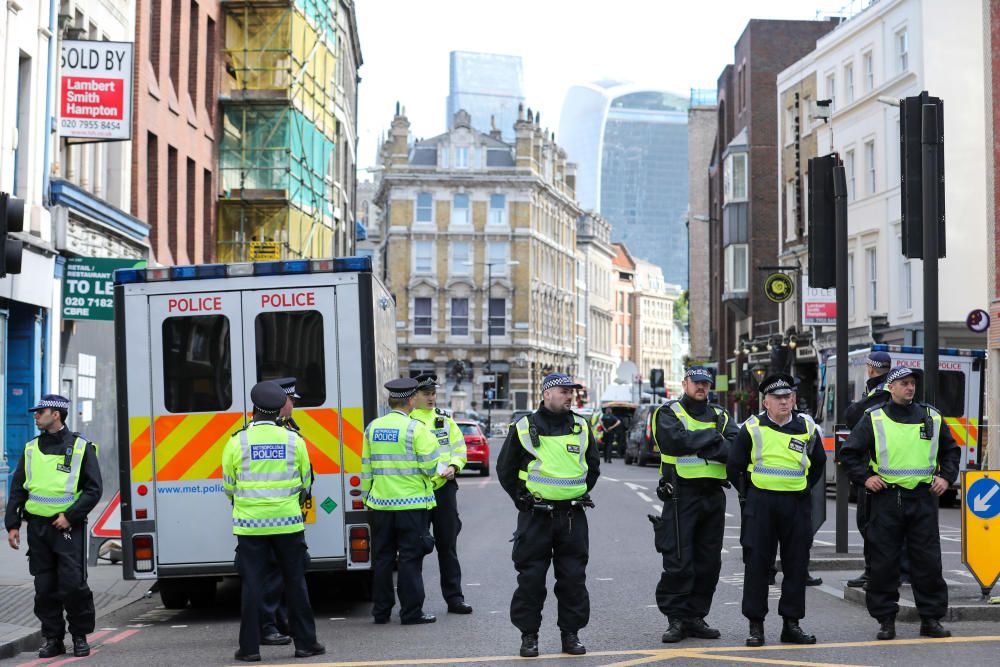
pixel 670 43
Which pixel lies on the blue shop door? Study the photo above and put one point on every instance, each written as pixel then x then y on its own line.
pixel 23 375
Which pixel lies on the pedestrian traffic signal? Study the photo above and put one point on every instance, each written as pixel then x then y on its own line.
pixel 912 177
pixel 655 378
pixel 11 220
pixel 822 222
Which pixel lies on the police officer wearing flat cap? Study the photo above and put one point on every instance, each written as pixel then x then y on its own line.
pixel 782 458
pixel 905 458
pixel 266 473
pixel 56 484
pixel 400 463
pixel 444 517
pixel 878 364
pixel 693 437
pixel 548 464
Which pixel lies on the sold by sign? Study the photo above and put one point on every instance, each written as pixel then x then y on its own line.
pixel 95 90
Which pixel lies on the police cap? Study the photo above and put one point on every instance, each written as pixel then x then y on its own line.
pixel 426 381
pixel 288 385
pixel 54 401
pixel 268 397
pixel 698 374
pixel 401 387
pixel 777 384
pixel 879 359
pixel 900 372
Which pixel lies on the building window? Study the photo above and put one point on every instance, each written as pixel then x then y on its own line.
pixel 831 90
pixel 849 173
pixel 849 82
pixel 425 207
pixel 459 317
pixel 460 209
pixel 737 269
pixel 461 157
pixel 498 317
pixel 870 166
pixel 805 107
pixel 498 210
pixel 850 285
pixel 902 50
pixel 461 258
pixel 871 265
pixel 423 257
pixel 422 318
pixel 499 257
pixel 869 65
pixel 735 177
pixel 906 285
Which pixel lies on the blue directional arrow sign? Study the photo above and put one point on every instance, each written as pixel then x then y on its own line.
pixel 982 498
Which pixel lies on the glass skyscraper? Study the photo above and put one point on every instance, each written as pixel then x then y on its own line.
pixel 487 85
pixel 630 147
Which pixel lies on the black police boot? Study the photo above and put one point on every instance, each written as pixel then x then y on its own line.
pixel 419 620
pixel 756 636
pixel 52 647
pixel 571 644
pixel 931 627
pixel 674 633
pixel 81 648
pixel 529 645
pixel 697 627
pixel 813 581
pixel 791 633
pixel 886 628
pixel 313 649
pixel 858 581
pixel 459 608
pixel 275 639
pixel 246 657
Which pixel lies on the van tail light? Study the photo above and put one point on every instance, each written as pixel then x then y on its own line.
pixel 360 544
pixel 142 553
pixel 357 504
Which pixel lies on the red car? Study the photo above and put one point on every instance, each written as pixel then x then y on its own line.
pixel 477 447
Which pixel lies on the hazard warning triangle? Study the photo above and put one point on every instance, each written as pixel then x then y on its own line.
pixel 110 522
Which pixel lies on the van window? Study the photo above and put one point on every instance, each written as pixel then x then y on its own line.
pixel 291 345
pixel 951 393
pixel 197 364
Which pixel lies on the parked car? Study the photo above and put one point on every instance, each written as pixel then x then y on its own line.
pixel 639 445
pixel 477 447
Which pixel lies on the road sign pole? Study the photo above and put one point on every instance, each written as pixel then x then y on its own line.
pixel 840 218
pixel 930 148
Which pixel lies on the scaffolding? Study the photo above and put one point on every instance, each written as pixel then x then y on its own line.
pixel 278 151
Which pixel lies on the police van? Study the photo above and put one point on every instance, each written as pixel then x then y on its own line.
pixel 191 341
pixel 959 398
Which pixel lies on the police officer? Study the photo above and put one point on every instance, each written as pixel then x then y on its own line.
pixel 400 460
pixel 693 437
pixel 548 464
pixel 444 517
pixel 878 364
pixel 782 457
pixel 613 430
pixel 56 484
pixel 266 472
pixel 905 459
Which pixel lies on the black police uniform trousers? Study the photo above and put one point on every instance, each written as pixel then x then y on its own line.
pixel 773 519
pixel 59 566
pixel 899 515
pixel 273 612
pixel 254 555
pixel 690 540
pixel 560 537
pixel 406 533
pixel 447 525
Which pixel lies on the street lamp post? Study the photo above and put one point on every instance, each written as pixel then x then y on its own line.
pixel 489 337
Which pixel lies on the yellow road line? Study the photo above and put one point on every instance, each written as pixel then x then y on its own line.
pixel 658 657
pixel 767 661
pixel 874 642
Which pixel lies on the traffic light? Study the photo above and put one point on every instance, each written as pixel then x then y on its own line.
pixel 911 174
pixel 655 378
pixel 822 222
pixel 11 220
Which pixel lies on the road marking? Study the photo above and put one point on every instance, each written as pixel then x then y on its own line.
pixel 821 542
pixel 184 626
pixel 605 579
pixel 728 515
pixel 610 479
pixel 120 636
pixel 636 487
pixel 766 661
pixel 472 584
pixel 658 508
pixel 644 496
pixel 337 618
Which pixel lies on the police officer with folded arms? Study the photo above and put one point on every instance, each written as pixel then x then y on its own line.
pixel 56 484
pixel 548 464
pixel 905 458
pixel 400 461
pixel 693 437
pixel 777 457
pixel 444 517
pixel 266 474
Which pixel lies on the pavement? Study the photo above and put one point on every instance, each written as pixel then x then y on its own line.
pixel 625 624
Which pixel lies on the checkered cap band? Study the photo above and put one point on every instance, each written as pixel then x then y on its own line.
pixel 697 372
pixel 776 385
pixel 290 390
pixel 877 363
pixel 402 394
pixel 52 403
pixel 558 381
pixel 898 374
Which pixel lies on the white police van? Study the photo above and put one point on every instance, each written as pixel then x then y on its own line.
pixel 191 341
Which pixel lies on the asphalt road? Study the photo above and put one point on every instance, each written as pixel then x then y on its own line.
pixel 625 625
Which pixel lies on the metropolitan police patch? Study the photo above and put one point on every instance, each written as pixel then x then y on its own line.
pixel 797 445
pixel 573 449
pixel 385 435
pixel 267 452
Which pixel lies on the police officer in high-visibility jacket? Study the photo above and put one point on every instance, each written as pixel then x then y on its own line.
pixel 693 436
pixel 548 464
pixel 56 484
pixel 400 462
pixel 266 472
pixel 783 458
pixel 444 517
pixel 905 458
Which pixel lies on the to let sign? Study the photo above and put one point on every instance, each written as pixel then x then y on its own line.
pixel 981 525
pixel 88 287
pixel 95 90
